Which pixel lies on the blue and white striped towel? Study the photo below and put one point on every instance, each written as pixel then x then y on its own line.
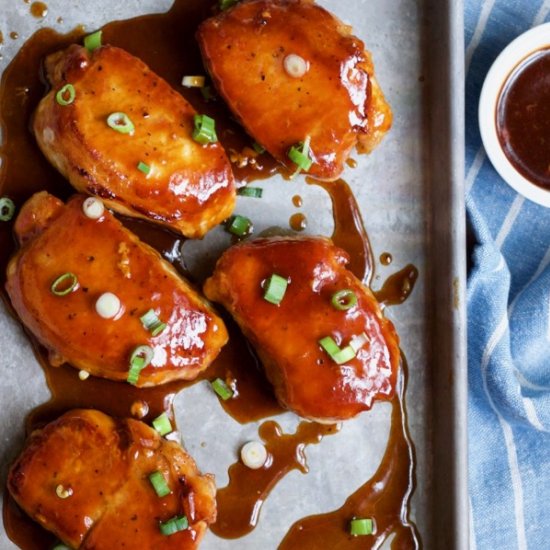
pixel 509 317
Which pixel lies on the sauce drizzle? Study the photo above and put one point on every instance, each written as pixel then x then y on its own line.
pixel 392 483
pixel 349 230
pixel 240 502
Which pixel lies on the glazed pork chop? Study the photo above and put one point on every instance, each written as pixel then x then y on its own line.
pixel 102 300
pixel 85 477
pixel 319 333
pixel 116 130
pixel 291 71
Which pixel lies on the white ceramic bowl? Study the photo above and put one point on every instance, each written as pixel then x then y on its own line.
pixel 524 45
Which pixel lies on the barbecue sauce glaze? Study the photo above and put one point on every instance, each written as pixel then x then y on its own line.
pixel 25 171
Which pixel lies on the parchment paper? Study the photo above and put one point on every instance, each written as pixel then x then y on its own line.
pixel 389 186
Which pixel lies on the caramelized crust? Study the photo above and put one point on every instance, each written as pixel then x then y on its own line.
pixel 105 464
pixel 286 336
pixel 337 102
pixel 106 257
pixel 190 187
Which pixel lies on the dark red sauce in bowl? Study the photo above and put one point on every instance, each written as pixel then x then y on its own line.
pixel 523 118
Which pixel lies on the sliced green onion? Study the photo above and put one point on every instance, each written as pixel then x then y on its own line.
pixel 162 424
pixel 258 148
pixel 226 4
pixel 329 345
pixel 360 527
pixel 142 167
pixel 61 546
pixel 152 323
pixel 338 355
pixel 299 155
pixel 255 192
pixel 177 523
pixel 159 484
pixel 140 358
pixel 121 123
pixel 357 342
pixel 344 299
pixel 7 209
pixel 205 129
pixel 239 225
pixel 65 96
pixel 222 389
pixel 193 81
pixel 344 355
pixel 275 289
pixel 93 41
pixel 64 284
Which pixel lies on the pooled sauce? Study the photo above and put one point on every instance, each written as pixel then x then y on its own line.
pixel 523 118
pixel 398 286
pixel 239 504
pixel 298 222
pixel 349 231
pixel 39 10
pixel 25 171
pixel 392 483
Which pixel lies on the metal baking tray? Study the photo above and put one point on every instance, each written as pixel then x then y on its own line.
pixel 410 191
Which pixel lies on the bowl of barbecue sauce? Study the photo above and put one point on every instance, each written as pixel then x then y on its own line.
pixel 514 114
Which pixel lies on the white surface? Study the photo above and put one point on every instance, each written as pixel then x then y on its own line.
pixel 390 186
pixel 523 46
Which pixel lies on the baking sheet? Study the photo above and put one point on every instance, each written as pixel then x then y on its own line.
pixel 394 189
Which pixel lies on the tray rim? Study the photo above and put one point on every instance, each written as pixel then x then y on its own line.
pixel 447 254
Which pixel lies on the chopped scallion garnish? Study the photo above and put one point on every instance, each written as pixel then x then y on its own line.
pixel 258 148
pixel 361 526
pixel 338 355
pixel 121 123
pixel 145 168
pixel 275 289
pixel 152 323
pixel 159 484
pixel 357 342
pixel 239 225
pixel 226 4
pixel 193 81
pixel 64 284
pixel 205 129
pixel 299 155
pixel 140 358
pixel 222 389
pixel 255 192
pixel 61 546
pixel 344 299
pixel 93 41
pixel 177 523
pixel 66 95
pixel 7 209
pixel 162 424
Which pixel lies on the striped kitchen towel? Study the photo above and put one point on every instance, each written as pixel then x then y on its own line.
pixel 509 317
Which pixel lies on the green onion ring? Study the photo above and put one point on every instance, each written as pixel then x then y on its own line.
pixel 60 95
pixel 120 122
pixel 344 299
pixel 7 209
pixel 58 288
